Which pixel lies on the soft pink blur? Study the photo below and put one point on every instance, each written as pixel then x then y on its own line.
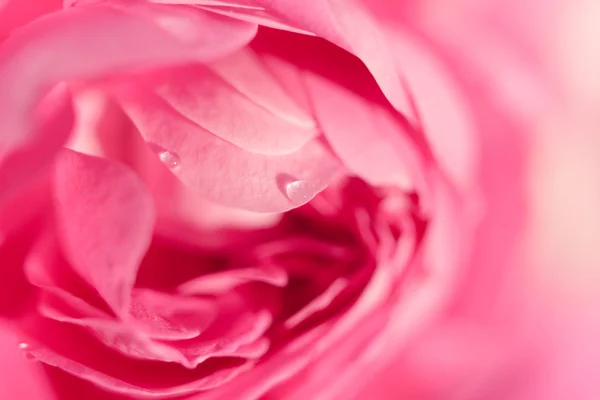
pixel 268 199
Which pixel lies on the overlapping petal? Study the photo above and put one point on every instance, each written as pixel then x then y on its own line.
pixel 223 172
pixel 53 49
pixel 19 377
pixel 105 221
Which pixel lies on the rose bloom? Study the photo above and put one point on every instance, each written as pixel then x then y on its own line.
pixel 286 199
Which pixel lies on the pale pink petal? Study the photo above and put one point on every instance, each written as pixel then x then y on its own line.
pixel 445 119
pixel 224 102
pixel 170 317
pixel 256 82
pixel 19 377
pixel 350 123
pixel 255 14
pixel 28 68
pixel 237 326
pixel 105 219
pixel 224 173
pixel 221 282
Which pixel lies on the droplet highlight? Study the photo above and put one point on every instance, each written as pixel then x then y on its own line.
pixel 299 192
pixel 169 158
pixel 26 347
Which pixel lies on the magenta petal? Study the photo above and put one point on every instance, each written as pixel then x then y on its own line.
pixel 46 268
pixel 225 173
pixel 82 49
pixel 73 350
pixel 51 126
pixel 169 317
pixel 319 303
pixel 243 337
pixel 221 282
pixel 16 13
pixel 19 377
pixel 105 222
pixel 112 333
pixel 235 332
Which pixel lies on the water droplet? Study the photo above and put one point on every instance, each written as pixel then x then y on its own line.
pixel 26 349
pixel 299 192
pixel 169 158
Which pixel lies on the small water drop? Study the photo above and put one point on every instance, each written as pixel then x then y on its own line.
pixel 26 349
pixel 169 158
pixel 299 192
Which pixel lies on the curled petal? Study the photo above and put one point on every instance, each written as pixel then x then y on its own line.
pixel 53 120
pixel 69 348
pixel 105 222
pixel 225 173
pixel 74 45
pixel 229 100
pixel 19 377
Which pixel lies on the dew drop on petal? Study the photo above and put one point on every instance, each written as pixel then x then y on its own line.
pixel 299 192
pixel 25 347
pixel 169 158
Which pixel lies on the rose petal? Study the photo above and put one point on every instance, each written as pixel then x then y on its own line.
pixel 46 268
pixel 347 23
pixel 356 119
pixel 255 14
pixel 230 105
pixel 221 282
pixel 442 107
pixel 319 303
pixel 105 223
pixel 414 82
pixel 224 173
pixel 52 123
pixel 19 377
pixel 350 124
pixel 112 333
pixel 73 350
pixel 16 13
pixel 237 326
pixel 170 317
pixel 256 82
pixel 141 43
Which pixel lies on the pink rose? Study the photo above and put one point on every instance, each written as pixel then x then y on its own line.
pixel 270 199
